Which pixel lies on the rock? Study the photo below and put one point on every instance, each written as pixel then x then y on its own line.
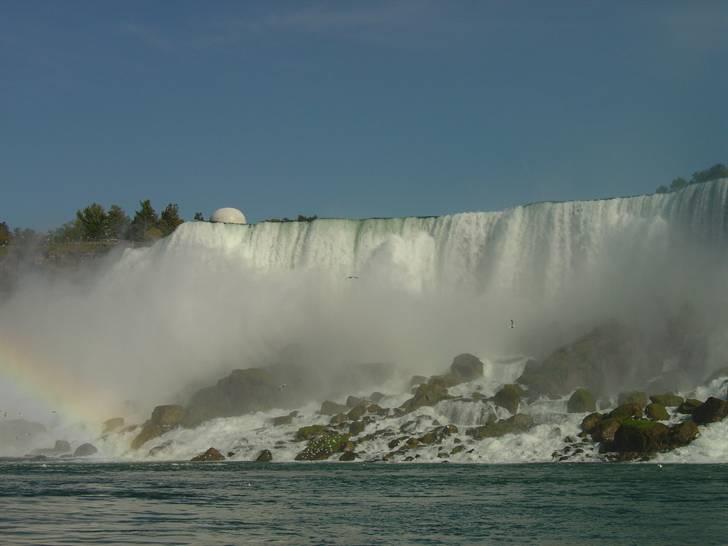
pixel 591 422
pixel 377 410
pixel 264 456
pixel 509 397
pixel 466 367
pixel 62 446
pixel 110 425
pixel 353 401
pixel 357 412
pixel 323 446
pixel 668 400
pixel 348 456
pixel 641 436
pixel 376 397
pixel 687 407
pixel 437 435
pixel 85 450
pixel 581 401
pixel 357 427
pixel 417 380
pixel 445 380
pixel 164 419
pixel 656 412
pixel 156 450
pixel 332 408
pixel 710 411
pixel 457 449
pixel 282 420
pixel 310 431
pixel 512 425
pixel 625 411
pixel 606 430
pixel 426 395
pixel 633 397
pixel 683 433
pixel 211 454
pixel 338 419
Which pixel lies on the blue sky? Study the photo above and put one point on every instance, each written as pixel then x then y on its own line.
pixel 404 107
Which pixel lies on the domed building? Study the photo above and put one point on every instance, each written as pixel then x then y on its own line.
pixel 228 215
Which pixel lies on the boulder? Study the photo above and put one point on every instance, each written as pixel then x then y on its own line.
pixel 357 427
pixel 85 450
pixel 634 397
pixel 466 367
pixel 625 411
pixel 591 422
pixel 353 401
pixel 332 408
pixel 416 380
pixel 581 401
pixel 513 425
pixel 338 419
pixel 605 431
pixel 641 436
pixel 688 406
pixel 710 411
pixel 163 419
pixel 656 412
pixel 62 446
pixel 310 431
pixel 376 397
pixel 425 395
pixel 437 435
pixel 264 456
pixel 210 455
pixel 357 412
pixel 683 433
pixel 284 419
pixel 377 410
pixel 348 456
pixel 508 397
pixel 668 400
pixel 322 446
pixel 113 424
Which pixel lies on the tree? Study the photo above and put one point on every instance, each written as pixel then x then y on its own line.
pixel 662 189
pixel 144 219
pixel 713 173
pixel 198 217
pixel 94 222
pixel 118 222
pixel 5 234
pixel 678 183
pixel 70 231
pixel 170 219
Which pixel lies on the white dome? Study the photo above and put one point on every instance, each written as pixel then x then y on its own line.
pixel 228 215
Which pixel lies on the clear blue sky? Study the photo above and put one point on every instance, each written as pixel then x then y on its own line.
pixel 409 107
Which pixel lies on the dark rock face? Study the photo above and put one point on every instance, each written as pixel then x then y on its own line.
pixel 425 395
pixel 85 450
pixel 711 411
pixel 641 436
pixel 668 400
pixel 683 433
pixel 591 422
pixel 352 402
pixel 357 412
pixel 581 401
pixel 211 454
pixel 626 411
pixel 113 424
pixel 606 430
pixel 264 456
pixel 688 406
pixel 310 431
pixel 62 446
pixel 466 367
pixel 656 412
pixel 323 445
pixel 348 456
pixel 509 397
pixel 512 425
pixel 284 419
pixel 357 427
pixel 332 408
pixel 164 418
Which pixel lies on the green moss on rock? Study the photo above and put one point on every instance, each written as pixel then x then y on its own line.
pixel 509 397
pixel 581 401
pixel 656 412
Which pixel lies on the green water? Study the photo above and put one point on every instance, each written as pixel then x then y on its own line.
pixel 248 503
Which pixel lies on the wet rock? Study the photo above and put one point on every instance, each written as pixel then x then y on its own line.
pixel 688 407
pixel 457 449
pixel 634 397
pixel 581 401
pixel 156 450
pixel 683 433
pixel 466 367
pixel 357 427
pixel 437 435
pixel 591 422
pixel 323 446
pixel 425 395
pixel 513 425
pixel 332 408
pixel 376 397
pixel 625 411
pixel 85 450
pixel 163 419
pixel 354 401
pixel 310 431
pixel 656 412
pixel 394 443
pixel 284 419
pixel 509 397
pixel 264 456
pixel 338 419
pixel 357 412
pixel 417 380
pixel 641 436
pixel 668 400
pixel 348 456
pixel 376 410
pixel 606 430
pixel 711 411
pixel 113 424
pixel 210 455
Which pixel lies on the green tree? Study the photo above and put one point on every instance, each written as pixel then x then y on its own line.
pixel 170 219
pixel 70 231
pixel 145 218
pixel 198 217
pixel 678 183
pixel 94 222
pixel 118 222
pixel 662 189
pixel 5 235
pixel 713 173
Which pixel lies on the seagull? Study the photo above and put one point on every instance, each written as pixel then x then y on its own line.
pixel 659 465
pixel 513 324
pixel 353 277
pixel 281 386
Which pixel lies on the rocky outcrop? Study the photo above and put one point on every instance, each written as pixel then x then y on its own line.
pixel 112 425
pixel 332 408
pixel 284 419
pixel 85 450
pixel 669 400
pixel 310 431
pixel 656 412
pixel 581 401
pixel 683 433
pixel 324 445
pixel 357 427
pixel 210 455
pixel 634 397
pixel 264 456
pixel 509 397
pixel 710 411
pixel 163 419
pixel 641 436
pixel 513 425
pixel 466 367
pixel 688 406
pixel 427 394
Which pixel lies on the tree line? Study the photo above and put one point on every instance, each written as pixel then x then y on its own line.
pixel 715 172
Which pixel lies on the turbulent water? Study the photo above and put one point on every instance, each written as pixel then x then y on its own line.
pixel 238 503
